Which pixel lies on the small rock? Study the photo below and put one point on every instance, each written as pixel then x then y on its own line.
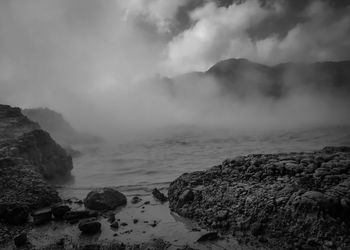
pixel 135 199
pixel 208 237
pixel 124 224
pixel 135 221
pixel 154 224
pixel 20 239
pixel 89 226
pixel 59 211
pixel 159 196
pixel 42 217
pixel 115 225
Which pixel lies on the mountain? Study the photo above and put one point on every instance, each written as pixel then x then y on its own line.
pixel 58 127
pixel 241 78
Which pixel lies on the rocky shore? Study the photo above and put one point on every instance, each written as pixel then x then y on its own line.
pixel 280 201
pixel 261 201
pixel 28 158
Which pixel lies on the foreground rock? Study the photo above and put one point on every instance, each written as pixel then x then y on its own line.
pixel 105 199
pixel 89 226
pixel 296 200
pixel 28 157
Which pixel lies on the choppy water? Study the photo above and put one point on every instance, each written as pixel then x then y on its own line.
pixel 156 160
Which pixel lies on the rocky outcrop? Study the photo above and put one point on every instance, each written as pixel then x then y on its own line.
pixel 24 141
pixel 295 200
pixel 28 157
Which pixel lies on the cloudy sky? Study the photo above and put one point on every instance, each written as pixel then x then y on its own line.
pixel 82 55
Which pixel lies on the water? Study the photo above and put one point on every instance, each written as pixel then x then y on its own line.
pixel 155 160
pixel 141 163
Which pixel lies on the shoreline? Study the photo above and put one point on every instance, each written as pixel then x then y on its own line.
pixel 180 223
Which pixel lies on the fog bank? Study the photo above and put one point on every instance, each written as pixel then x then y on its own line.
pixel 101 63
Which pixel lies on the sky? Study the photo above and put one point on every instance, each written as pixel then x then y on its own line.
pixel 88 59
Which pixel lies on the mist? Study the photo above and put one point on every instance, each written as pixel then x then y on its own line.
pixel 103 64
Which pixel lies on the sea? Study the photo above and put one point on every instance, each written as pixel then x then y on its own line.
pixel 144 162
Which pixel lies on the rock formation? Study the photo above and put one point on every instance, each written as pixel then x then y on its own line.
pixel 28 157
pixel 295 200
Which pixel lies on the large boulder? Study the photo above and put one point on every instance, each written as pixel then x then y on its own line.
pixel 105 199
pixel 293 201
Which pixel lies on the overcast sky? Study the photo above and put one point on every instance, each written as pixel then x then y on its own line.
pixel 88 52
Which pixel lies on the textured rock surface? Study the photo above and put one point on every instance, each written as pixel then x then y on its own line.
pixel 296 200
pixel 23 139
pixel 28 156
pixel 105 199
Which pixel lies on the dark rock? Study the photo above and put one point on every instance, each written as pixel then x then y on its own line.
pixel 105 199
pixel 115 225
pixel 20 240
pixel 159 196
pixel 135 221
pixel 59 211
pixel 135 200
pixel 277 197
pixel 89 226
pixel 42 217
pixel 154 224
pixel 208 237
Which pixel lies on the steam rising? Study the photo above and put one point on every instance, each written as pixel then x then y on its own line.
pixel 96 62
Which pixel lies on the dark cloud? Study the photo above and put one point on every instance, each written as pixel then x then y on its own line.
pixel 86 58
